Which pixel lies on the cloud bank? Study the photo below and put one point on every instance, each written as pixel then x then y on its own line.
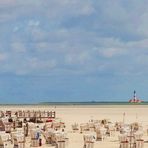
pixel 74 39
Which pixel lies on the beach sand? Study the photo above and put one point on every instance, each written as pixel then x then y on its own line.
pixel 82 114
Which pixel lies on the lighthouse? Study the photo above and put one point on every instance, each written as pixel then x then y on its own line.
pixel 135 99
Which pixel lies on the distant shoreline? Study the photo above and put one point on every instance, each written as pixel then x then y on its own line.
pixel 93 103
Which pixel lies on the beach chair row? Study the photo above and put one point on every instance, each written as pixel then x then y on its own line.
pixel 29 114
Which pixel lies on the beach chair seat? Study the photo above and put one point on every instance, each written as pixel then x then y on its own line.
pixel 139 143
pixel 31 126
pixel 2 126
pixel 2 114
pixel 84 127
pixel 48 139
pixel 19 114
pixel 56 125
pixel 8 113
pixel 8 127
pixel 89 140
pixel 124 144
pixel 35 137
pixel 19 140
pixel 91 126
pixel 111 130
pixel 48 134
pixel 19 144
pixel 61 144
pixel 62 125
pixel 123 140
pixel 101 133
pixel 18 124
pixel 47 126
pixel 4 145
pixel 4 141
pixel 138 135
pixel 60 140
pixel 34 142
pixel 75 127
pixel 89 145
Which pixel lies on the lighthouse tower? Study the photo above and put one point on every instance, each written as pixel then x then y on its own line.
pixel 135 99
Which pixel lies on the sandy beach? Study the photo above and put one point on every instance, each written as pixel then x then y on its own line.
pixel 83 114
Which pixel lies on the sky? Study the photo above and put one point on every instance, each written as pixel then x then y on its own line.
pixel 73 50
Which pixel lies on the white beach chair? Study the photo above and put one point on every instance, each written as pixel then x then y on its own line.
pixel 140 143
pixel 101 133
pixel 89 140
pixel 124 144
pixel 75 127
pixel 60 140
pixel 91 126
pixel 4 140
pixel 48 134
pixel 2 126
pixel 84 127
pixel 8 127
pixel 19 140
pixel 123 139
pixel 35 137
pixel 138 135
pixel 47 126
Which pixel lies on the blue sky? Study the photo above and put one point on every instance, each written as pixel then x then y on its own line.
pixel 73 50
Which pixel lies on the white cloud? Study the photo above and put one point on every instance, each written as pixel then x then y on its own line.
pixel 140 44
pixel 18 47
pixel 53 9
pixel 111 52
pixel 83 34
pixel 65 9
pixel 79 58
pixel 15 29
pixel 3 57
pixel 142 24
pixel 34 23
pixel 38 64
pixel 7 2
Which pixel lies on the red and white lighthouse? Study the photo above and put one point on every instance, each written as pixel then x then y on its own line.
pixel 135 99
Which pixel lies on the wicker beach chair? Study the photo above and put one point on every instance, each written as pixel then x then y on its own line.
pixel 2 114
pixel 101 133
pixel 48 134
pixel 8 127
pixel 4 140
pixel 60 140
pixel 111 130
pixel 75 127
pixel 140 143
pixel 2 126
pixel 84 127
pixel 123 140
pixel 91 126
pixel 19 141
pixel 35 137
pixel 89 140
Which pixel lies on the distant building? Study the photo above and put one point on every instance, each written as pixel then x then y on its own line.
pixel 135 99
